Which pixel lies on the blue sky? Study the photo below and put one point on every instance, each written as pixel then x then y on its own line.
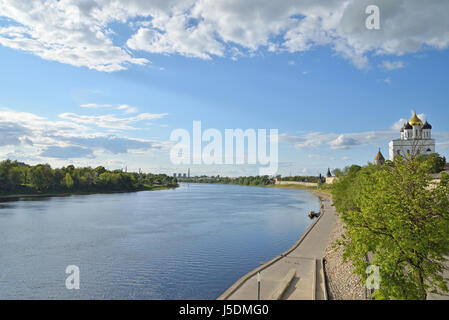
pixel 113 94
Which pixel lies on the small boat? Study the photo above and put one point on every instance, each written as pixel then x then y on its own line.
pixel 313 214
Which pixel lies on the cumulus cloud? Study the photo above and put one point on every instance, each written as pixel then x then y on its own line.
pixel 66 140
pixel 12 134
pixel 388 81
pixel 177 37
pixel 81 33
pixel 343 142
pixel 392 65
pixel 110 121
pixel 350 140
pixel 127 109
pixel 112 143
pixel 95 105
pixel 400 123
pixel 69 152
pixel 290 139
pixel 71 32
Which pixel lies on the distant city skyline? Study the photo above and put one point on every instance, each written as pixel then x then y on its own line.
pixel 98 84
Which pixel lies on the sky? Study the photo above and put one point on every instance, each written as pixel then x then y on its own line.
pixel 106 82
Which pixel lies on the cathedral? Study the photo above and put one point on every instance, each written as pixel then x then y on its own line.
pixel 416 138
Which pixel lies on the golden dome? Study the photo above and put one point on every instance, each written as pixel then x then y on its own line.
pixel 415 121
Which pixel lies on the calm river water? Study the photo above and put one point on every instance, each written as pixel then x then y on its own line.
pixel 189 243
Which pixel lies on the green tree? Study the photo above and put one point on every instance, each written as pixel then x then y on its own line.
pixel 398 216
pixel 68 181
pixel 15 177
pixel 99 170
pixel 435 161
pixel 41 177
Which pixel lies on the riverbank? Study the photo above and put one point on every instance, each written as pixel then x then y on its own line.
pixel 302 262
pixel 312 189
pixel 342 283
pixel 65 194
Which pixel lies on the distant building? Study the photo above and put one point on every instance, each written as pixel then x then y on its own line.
pixel 188 173
pixel 330 180
pixel 174 175
pixel 329 177
pixel 379 160
pixel 184 175
pixel 416 138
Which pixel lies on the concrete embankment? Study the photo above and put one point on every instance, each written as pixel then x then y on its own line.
pixel 297 274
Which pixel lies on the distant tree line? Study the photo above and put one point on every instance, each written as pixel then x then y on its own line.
pixel 302 179
pixel 399 216
pixel 246 181
pixel 19 178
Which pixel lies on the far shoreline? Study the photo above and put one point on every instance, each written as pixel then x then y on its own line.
pixel 318 192
pixel 66 194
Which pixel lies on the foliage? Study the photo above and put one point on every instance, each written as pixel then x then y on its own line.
pixel 435 161
pixel 68 181
pixel 19 178
pixel 394 213
pixel 302 179
pixel 247 181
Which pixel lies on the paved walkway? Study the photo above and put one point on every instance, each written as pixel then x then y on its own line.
pixel 432 296
pixel 305 258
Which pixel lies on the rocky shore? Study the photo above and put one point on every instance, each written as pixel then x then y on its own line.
pixel 342 283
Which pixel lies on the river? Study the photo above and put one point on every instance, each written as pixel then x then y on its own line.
pixel 192 242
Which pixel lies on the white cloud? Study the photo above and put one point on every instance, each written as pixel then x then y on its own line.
pixel 12 134
pixel 95 105
pixel 127 109
pixel 110 121
pixel 68 152
pixel 177 37
pixel 400 123
pixel 42 139
pixel 70 32
pixel 388 81
pixel 339 141
pixel 392 65
pixel 289 139
pixel 81 33
pixel 345 141
pixel 320 157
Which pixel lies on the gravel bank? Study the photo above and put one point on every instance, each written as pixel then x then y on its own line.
pixel 342 283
